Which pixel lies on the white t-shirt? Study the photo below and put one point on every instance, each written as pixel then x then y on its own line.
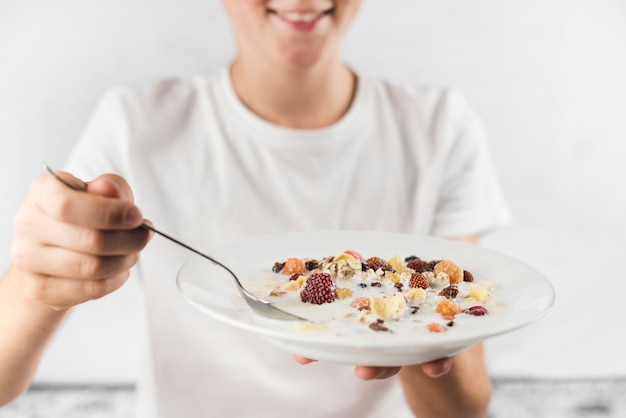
pixel 208 171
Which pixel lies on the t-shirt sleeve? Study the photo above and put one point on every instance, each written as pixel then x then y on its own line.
pixel 470 200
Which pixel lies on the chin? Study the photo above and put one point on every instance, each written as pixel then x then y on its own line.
pixel 304 58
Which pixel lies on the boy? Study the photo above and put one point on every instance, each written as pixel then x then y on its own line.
pixel 286 138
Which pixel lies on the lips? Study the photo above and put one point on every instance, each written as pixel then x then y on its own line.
pixel 300 16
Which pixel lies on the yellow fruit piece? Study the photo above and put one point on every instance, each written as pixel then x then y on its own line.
pixel 387 308
pixel 347 257
pixel 396 263
pixel 342 293
pixel 310 326
pixel 478 293
pixel 292 285
pixel 392 276
pixel 415 295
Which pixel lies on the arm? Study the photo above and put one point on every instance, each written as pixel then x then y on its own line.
pixel 455 387
pixel 69 247
pixel 463 390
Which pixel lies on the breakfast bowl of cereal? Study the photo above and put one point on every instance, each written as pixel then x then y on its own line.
pixel 370 298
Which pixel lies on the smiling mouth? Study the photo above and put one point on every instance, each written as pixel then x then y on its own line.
pixel 300 17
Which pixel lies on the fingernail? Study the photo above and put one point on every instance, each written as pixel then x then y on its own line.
pixel 133 216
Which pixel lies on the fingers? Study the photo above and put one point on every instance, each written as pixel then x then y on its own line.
pixel 78 238
pixel 372 373
pixel 437 368
pixel 434 369
pixel 73 244
pixel 113 209
pixel 62 293
pixel 61 262
pixel 303 360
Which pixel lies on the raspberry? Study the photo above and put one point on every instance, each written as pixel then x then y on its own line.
pixel 376 263
pixel 467 276
pixel 448 308
pixel 451 269
pixel 418 280
pixel 293 265
pixel 418 265
pixel 450 292
pixel 319 288
pixel 476 310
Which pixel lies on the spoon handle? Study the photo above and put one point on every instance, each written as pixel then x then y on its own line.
pixel 149 227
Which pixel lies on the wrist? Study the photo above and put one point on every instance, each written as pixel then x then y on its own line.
pixel 14 287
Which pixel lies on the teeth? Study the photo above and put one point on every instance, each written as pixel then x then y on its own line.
pixel 297 17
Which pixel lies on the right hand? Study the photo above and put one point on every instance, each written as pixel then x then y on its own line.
pixel 72 246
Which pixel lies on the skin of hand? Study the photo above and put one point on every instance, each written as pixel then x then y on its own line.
pixel 72 246
pixel 69 247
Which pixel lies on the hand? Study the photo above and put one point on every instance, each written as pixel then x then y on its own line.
pixel 434 369
pixel 72 246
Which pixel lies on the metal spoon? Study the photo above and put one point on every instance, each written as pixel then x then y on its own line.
pixel 260 306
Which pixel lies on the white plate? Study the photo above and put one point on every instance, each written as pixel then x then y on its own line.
pixel 524 294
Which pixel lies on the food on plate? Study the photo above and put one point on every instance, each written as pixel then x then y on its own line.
pixel 380 294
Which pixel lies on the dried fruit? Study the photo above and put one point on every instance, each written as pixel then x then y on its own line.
pixel 435 327
pixel 418 280
pixel 476 310
pixel 311 264
pixel 376 263
pixel 293 265
pixel 451 269
pixel 361 303
pixel 418 265
pixel 278 266
pixel 467 276
pixel 448 308
pixel 450 292
pixel 378 326
pixel 354 254
pixel 431 265
pixel 295 277
pixel 319 288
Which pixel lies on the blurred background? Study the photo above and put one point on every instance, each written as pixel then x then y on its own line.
pixel 548 78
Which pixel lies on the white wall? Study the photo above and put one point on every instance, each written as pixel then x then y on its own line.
pixel 548 77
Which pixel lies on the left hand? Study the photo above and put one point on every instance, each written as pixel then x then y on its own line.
pixel 434 369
